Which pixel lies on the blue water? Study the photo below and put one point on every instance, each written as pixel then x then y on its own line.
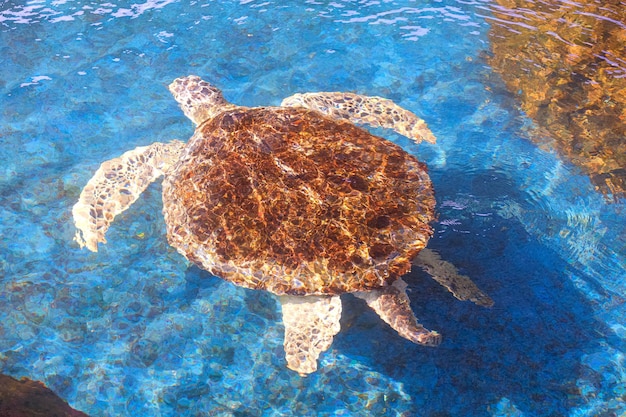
pixel 135 330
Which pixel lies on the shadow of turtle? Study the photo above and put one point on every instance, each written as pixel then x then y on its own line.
pixel 526 352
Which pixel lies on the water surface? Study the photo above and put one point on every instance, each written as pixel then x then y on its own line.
pixel 134 329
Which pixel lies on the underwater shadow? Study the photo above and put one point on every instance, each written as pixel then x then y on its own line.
pixel 525 352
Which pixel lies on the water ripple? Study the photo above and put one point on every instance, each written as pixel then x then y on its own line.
pixel 58 11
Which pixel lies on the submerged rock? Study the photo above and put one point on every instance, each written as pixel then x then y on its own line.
pixel 566 61
pixel 27 398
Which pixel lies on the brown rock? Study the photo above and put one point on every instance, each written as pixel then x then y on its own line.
pixel 27 398
pixel 566 62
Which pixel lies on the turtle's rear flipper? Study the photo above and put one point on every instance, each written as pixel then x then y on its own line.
pixel 461 286
pixel 310 322
pixel 373 111
pixel 393 306
pixel 116 185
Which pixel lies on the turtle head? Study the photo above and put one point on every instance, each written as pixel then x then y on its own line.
pixel 198 99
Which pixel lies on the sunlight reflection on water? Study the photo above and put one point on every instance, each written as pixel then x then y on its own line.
pixel 83 82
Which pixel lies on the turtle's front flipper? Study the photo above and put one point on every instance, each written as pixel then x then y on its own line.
pixel 393 306
pixel 116 185
pixel 461 286
pixel 374 111
pixel 310 324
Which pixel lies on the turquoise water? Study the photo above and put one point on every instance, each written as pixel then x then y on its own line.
pixel 135 330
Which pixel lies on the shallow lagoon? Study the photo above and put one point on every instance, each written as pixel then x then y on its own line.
pixel 134 329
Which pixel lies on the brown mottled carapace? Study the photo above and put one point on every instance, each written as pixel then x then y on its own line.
pixel 294 202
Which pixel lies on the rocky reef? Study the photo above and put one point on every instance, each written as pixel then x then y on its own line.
pixel 26 398
pixel 566 62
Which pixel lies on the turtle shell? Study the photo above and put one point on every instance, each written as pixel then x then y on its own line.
pixel 293 202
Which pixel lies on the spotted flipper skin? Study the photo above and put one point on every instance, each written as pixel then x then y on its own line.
pixel 393 306
pixel 446 274
pixel 116 185
pixel 310 322
pixel 360 109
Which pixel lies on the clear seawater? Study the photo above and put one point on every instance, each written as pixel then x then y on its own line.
pixel 133 330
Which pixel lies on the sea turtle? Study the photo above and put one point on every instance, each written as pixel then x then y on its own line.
pixel 295 200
